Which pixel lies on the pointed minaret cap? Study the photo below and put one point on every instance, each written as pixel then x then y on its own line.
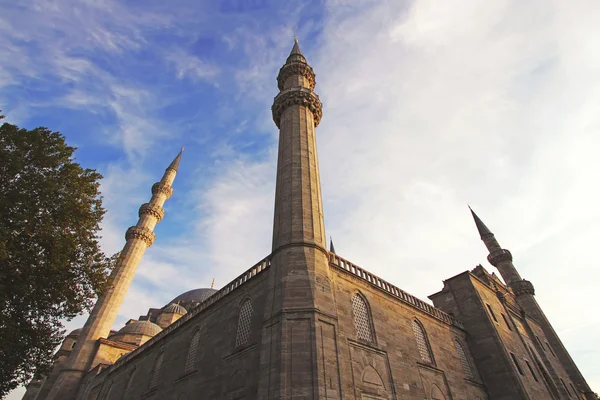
pixel 175 163
pixel 483 230
pixel 296 54
pixel 331 248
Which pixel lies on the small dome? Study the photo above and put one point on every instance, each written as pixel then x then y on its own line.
pixel 174 309
pixel 195 295
pixel 141 328
pixel 75 332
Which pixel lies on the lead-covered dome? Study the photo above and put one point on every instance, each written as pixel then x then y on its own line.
pixel 194 296
pixel 174 309
pixel 140 328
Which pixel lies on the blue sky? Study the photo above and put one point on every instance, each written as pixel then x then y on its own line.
pixel 428 106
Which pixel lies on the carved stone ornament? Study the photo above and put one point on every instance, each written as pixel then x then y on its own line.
pixel 149 209
pixel 297 96
pixel 296 68
pixel 522 287
pixel 145 234
pixel 160 187
pixel 499 257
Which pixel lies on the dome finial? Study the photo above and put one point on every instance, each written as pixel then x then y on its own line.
pixel 212 285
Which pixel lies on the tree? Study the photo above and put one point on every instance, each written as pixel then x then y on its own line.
pixel 51 265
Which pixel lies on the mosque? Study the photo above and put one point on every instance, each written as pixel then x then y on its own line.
pixel 304 323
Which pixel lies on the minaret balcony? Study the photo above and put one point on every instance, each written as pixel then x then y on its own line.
pixel 522 287
pixel 297 96
pixel 152 209
pixel 500 256
pixel 141 233
pixel 163 188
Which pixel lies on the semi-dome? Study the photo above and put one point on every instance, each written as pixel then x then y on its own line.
pixel 195 296
pixel 140 328
pixel 175 309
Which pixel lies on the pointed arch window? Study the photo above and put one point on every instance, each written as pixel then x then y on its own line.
pixel 191 357
pixel 244 324
pixel 127 391
pixel 460 350
pixel 362 319
pixel 422 342
pixel 157 367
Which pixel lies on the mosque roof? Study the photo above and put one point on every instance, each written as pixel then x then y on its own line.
pixel 195 295
pixel 175 309
pixel 141 328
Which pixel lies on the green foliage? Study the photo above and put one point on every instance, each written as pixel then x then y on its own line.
pixel 51 265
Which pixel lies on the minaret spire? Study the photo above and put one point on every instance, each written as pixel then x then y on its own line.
pixel 525 296
pixel 484 231
pixel 498 257
pixel 300 289
pixel 139 237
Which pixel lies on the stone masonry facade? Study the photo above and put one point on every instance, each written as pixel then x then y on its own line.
pixel 306 324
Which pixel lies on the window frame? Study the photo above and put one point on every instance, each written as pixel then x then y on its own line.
pixel 369 318
pixel 419 324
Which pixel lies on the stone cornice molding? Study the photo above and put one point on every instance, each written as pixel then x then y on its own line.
pixel 297 96
pixel 152 209
pixel 160 187
pixel 499 257
pixel 296 68
pixel 138 232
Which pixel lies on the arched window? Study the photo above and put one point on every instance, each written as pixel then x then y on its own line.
pixel 463 359
pixel 156 371
pixel 422 342
pixel 362 320
pixel 191 357
pixel 127 391
pixel 244 324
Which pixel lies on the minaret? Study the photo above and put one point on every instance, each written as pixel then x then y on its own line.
pixel 300 309
pixel 139 237
pixel 525 295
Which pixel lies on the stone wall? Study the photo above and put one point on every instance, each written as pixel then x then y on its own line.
pixel 390 366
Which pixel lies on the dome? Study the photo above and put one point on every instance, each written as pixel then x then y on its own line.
pixel 75 332
pixel 195 295
pixel 175 309
pixel 140 328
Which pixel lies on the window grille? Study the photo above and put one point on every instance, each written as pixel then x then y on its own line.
pixel 157 366
pixel 550 348
pixel 463 359
pixel 506 322
pixel 517 364
pixel 492 313
pixel 422 343
pixel 573 387
pixel 531 370
pixel 362 322
pixel 191 357
pixel 244 323
pixel 127 391
pixel 566 388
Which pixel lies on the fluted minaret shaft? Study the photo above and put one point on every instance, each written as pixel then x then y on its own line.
pixel 299 288
pixel 139 237
pixel 296 112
